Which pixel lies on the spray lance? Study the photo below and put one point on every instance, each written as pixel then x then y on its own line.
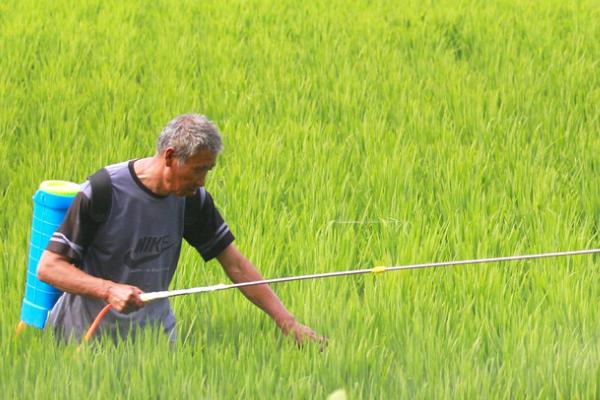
pixel 151 296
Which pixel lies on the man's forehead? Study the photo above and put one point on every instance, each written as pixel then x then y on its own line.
pixel 203 158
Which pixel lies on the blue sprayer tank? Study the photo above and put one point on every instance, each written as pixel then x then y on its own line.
pixel 51 203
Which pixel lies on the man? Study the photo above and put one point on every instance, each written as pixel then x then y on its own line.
pixel 156 201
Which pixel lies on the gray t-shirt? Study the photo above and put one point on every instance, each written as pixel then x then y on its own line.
pixel 139 244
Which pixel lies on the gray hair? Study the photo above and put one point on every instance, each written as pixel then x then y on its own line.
pixel 188 134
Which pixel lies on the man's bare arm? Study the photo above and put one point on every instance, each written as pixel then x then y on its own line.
pixel 239 269
pixel 57 271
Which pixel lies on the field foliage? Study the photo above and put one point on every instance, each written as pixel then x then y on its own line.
pixel 357 133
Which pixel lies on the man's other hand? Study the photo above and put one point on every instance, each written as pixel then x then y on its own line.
pixel 302 334
pixel 124 298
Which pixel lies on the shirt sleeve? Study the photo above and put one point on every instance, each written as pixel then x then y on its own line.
pixel 204 227
pixel 76 232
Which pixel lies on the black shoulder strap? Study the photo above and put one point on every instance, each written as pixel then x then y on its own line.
pixel 101 195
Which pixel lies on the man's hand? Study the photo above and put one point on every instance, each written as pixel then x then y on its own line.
pixel 124 298
pixel 302 334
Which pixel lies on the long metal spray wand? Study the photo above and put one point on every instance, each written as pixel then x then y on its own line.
pixel 147 297
pixel 151 296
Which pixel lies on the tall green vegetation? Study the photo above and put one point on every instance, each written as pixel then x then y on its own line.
pixel 357 134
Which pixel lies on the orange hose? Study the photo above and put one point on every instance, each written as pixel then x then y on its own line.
pixel 20 327
pixel 96 322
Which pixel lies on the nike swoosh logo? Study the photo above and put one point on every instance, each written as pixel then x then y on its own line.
pixel 136 262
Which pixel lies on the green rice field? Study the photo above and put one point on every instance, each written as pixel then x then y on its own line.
pixel 356 133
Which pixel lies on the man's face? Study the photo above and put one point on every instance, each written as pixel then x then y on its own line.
pixel 191 175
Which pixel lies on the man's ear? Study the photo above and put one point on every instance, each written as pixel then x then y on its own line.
pixel 169 155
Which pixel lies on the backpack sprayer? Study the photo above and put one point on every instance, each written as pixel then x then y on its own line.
pixel 51 203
